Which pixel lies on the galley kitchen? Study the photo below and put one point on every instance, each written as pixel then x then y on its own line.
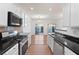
pixel 39 29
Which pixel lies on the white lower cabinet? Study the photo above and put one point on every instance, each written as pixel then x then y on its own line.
pixel 12 51
pixel 29 40
pixel 50 42
pixel 68 51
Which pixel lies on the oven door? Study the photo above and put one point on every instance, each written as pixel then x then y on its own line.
pixel 23 47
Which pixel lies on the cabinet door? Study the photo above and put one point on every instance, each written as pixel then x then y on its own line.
pixel 52 43
pixel 29 40
pixel 74 14
pixel 3 14
pixel 49 41
pixel 23 18
pixel 68 51
pixel 24 48
pixel 26 23
pixel 12 51
pixel 17 11
pixel 66 15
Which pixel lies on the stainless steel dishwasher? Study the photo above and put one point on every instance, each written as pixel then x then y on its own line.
pixel 58 47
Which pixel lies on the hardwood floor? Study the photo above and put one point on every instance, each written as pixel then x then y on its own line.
pixel 39 46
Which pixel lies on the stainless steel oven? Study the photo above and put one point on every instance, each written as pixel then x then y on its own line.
pixel 6 40
pixel 23 45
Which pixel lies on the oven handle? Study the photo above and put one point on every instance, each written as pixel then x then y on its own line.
pixel 22 43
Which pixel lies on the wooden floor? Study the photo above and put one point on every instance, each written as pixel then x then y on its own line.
pixel 39 46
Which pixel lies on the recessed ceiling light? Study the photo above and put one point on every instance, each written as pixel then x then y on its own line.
pixel 60 15
pixel 31 8
pixel 50 9
pixel 39 16
pixel 38 20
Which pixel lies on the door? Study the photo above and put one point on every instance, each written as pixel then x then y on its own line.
pixel 39 29
pixel 51 28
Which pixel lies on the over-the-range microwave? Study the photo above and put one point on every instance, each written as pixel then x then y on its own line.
pixel 14 20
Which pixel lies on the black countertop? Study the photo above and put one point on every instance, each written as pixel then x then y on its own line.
pixel 7 48
pixel 15 39
pixel 70 42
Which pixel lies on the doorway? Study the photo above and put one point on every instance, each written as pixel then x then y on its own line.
pixel 39 29
pixel 51 28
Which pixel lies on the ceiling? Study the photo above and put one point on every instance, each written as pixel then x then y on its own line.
pixel 49 11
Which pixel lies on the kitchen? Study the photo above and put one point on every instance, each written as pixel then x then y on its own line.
pixel 24 27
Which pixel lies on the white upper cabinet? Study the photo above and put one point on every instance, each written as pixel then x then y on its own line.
pixel 26 23
pixel 66 15
pixel 3 14
pixel 18 11
pixel 23 18
pixel 13 8
pixel 74 14
pixel 70 15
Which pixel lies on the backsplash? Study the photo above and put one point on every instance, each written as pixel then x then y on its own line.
pixel 14 29
pixel 70 31
pixel 73 31
pixel 2 29
pixel 19 29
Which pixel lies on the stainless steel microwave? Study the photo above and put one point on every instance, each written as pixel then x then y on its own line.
pixel 14 20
